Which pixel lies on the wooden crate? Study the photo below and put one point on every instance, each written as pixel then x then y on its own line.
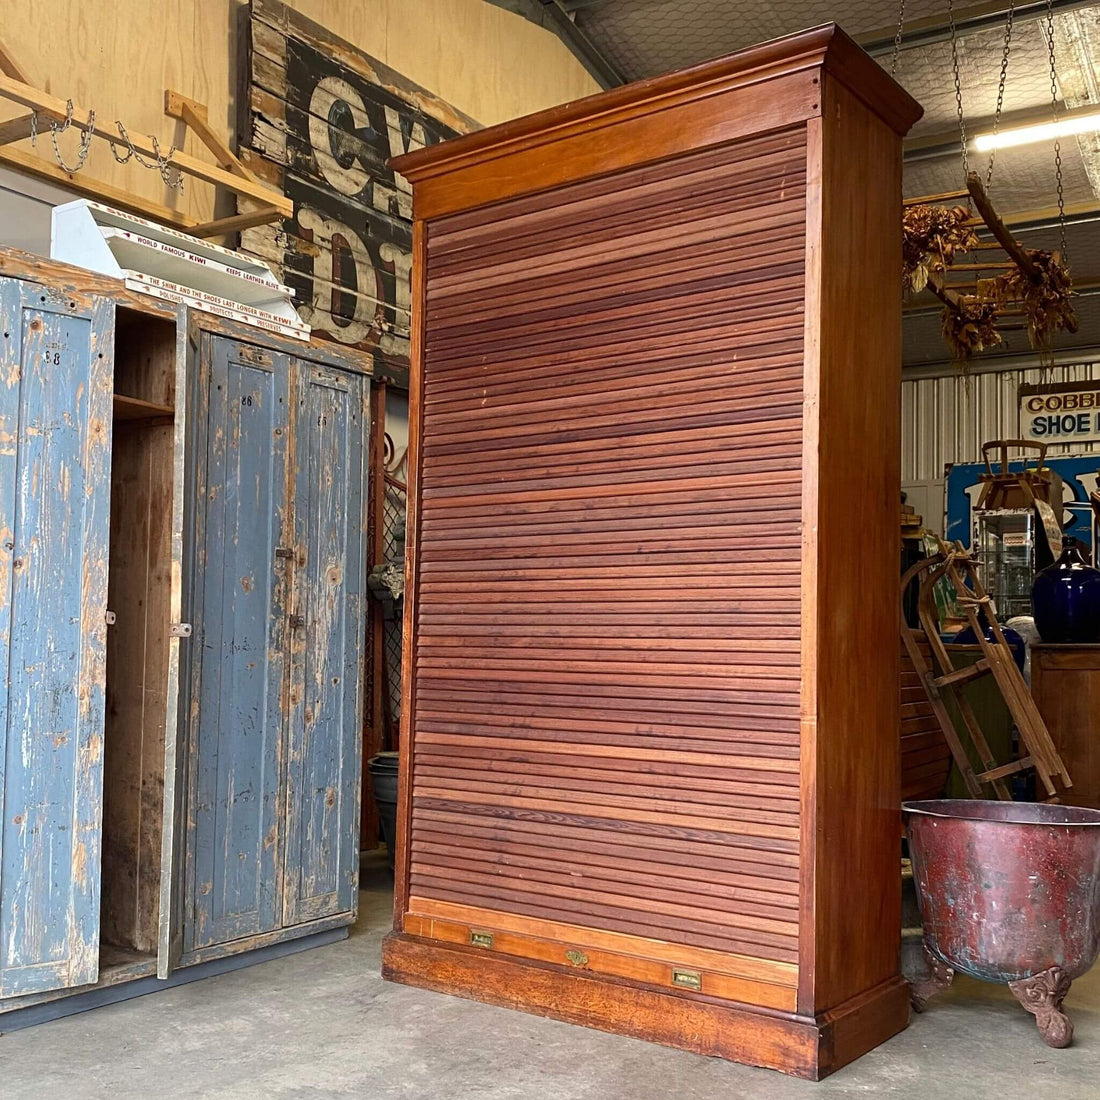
pixel 650 771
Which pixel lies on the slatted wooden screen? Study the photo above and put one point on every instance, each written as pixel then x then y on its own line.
pixel 606 704
pixel 925 756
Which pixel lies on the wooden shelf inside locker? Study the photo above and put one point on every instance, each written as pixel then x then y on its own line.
pixel 134 408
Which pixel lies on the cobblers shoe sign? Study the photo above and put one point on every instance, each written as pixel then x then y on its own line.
pixel 1066 412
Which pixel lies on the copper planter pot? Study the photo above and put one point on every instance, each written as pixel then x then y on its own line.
pixel 1009 892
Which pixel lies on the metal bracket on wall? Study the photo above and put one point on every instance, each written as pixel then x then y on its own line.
pixel 179 630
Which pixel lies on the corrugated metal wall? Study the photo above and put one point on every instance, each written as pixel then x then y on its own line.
pixel 947 419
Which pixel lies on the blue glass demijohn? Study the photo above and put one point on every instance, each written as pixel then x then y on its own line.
pixel 1065 600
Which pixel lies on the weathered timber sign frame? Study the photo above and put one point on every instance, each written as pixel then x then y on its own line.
pixel 318 121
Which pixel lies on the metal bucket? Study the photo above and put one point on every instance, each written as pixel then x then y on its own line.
pixel 1009 892
pixel 383 774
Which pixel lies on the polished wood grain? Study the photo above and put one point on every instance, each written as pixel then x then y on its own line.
pixel 739 977
pixel 749 92
pixel 523 430
pixel 649 715
pixel 1065 681
pixel 850 888
pixel 809 1048
pixel 925 755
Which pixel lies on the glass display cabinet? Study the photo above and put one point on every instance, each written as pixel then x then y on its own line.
pixel 1005 543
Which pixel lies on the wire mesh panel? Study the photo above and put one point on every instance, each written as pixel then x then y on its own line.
pixel 393 552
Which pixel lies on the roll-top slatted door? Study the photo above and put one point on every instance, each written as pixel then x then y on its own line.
pixel 607 692
pixel 650 705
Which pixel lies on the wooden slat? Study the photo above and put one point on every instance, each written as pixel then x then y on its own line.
pixel 607 712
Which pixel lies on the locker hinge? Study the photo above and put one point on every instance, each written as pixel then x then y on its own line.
pixel 286 552
pixel 180 630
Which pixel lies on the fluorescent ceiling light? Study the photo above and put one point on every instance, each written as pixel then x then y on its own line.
pixel 1081 123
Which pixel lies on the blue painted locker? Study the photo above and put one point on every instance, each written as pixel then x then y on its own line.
pixel 56 374
pixel 324 736
pixel 278 645
pixel 240 642
pixel 182 626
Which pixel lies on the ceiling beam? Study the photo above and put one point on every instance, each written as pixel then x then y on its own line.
pixel 980 17
pixel 552 15
pixel 991 364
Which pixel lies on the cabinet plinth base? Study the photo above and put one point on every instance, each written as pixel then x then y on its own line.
pixel 802 1046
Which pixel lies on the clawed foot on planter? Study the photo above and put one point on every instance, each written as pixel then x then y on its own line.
pixel 940 976
pixel 1042 995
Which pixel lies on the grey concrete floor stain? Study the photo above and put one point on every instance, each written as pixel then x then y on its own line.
pixel 323 1024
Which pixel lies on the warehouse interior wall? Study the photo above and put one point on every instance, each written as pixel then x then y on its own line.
pixel 946 417
pixel 119 56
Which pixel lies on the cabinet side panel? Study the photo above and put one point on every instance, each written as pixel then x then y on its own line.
pixel 854 775
pixel 606 727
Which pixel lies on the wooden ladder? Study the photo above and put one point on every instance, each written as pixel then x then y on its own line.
pixel 953 563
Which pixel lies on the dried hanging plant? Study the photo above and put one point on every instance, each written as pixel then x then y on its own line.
pixel 931 237
pixel 969 328
pixel 1045 297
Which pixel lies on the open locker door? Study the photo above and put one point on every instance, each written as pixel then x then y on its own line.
pixel 56 381
pixel 170 940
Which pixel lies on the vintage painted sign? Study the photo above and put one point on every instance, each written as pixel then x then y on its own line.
pixel 1066 412
pixel 1080 477
pixel 319 119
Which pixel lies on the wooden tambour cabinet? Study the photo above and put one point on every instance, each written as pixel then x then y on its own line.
pixel 182 569
pixel 650 750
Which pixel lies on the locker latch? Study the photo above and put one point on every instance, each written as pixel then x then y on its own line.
pixel 110 618
pixel 180 630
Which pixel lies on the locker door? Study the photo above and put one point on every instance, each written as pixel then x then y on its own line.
pixel 176 726
pixel 321 871
pixel 56 377
pixel 238 645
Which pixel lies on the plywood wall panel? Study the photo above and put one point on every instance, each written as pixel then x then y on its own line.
pixel 119 56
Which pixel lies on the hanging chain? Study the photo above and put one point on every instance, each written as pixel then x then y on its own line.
pixel 897 37
pixel 1005 50
pixel 171 175
pixel 59 128
pixel 958 86
pixel 1057 143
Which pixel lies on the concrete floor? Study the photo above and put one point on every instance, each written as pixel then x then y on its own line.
pixel 324 1024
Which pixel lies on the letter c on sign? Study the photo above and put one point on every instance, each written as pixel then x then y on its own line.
pixel 335 109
